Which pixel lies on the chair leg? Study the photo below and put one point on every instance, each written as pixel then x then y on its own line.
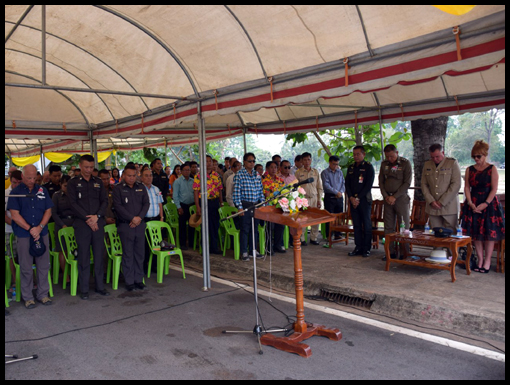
pixel 161 266
pixel 18 284
pixel 182 266
pixel 74 278
pixel 56 266
pixel 116 273
pixel 51 285
pixel 237 247
pixel 6 298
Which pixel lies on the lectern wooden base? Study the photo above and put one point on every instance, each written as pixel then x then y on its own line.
pixel 302 329
pixel 292 344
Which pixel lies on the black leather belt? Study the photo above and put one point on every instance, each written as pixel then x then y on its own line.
pixel 67 217
pixel 147 219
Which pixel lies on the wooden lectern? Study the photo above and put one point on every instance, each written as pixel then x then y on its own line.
pixel 302 331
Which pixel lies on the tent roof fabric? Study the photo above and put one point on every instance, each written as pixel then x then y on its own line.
pixel 140 70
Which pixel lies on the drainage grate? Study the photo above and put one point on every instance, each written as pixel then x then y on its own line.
pixel 346 299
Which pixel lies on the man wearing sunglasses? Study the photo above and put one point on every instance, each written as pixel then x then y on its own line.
pixel 285 173
pixel 440 184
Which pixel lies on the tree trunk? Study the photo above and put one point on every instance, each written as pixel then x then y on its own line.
pixel 425 133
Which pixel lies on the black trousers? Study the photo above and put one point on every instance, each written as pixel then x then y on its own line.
pixel 133 251
pixel 333 205
pixel 85 238
pixel 213 205
pixel 184 229
pixel 362 225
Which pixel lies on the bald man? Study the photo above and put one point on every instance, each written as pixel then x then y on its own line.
pixel 30 216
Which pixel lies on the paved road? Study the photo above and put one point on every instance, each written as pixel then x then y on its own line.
pixel 173 331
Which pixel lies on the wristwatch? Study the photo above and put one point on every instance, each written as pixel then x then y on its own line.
pixel 42 227
pixel 98 216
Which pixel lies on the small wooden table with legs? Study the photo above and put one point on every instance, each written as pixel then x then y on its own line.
pixel 302 331
pixel 422 239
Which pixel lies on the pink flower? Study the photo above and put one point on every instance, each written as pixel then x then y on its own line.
pixel 304 201
pixel 284 201
pixel 299 202
pixel 301 190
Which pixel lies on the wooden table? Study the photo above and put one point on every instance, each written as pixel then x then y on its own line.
pixel 422 239
pixel 302 330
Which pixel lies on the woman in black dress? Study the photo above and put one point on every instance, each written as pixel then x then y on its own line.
pixel 482 219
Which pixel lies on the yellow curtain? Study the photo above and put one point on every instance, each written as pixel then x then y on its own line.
pixel 455 9
pixel 26 160
pixel 57 157
pixel 101 156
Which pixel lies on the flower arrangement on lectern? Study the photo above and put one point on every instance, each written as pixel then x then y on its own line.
pixel 291 202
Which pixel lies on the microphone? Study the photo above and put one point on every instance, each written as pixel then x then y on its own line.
pixel 306 181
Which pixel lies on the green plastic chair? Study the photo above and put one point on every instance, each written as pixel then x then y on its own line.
pixel 6 298
pixel 172 218
pixel 198 231
pixel 154 236
pixel 114 250
pixel 18 273
pixel 230 229
pixel 66 237
pixel 55 263
pixel 262 238
pixel 7 271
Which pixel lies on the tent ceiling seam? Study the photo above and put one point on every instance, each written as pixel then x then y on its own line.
pixel 91 55
pixel 65 70
pixel 249 39
pixel 364 31
pixel 156 39
pixel 64 95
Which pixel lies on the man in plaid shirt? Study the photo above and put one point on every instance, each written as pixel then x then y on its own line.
pixel 247 192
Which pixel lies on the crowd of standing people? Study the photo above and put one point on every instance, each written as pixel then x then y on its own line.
pixel 88 199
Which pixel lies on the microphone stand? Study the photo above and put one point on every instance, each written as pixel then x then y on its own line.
pixel 258 330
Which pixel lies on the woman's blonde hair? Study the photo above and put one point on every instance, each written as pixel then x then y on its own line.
pixel 481 148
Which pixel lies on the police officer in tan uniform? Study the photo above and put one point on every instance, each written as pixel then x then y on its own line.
pixel 440 184
pixel 394 181
pixel 313 192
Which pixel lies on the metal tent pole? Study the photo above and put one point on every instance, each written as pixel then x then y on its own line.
pixel 203 192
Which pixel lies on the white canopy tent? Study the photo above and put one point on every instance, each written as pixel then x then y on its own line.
pixel 81 78
pixel 131 75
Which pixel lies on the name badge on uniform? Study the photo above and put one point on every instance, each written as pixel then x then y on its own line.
pixel 79 195
pixel 126 200
pixel 97 185
pixel 361 179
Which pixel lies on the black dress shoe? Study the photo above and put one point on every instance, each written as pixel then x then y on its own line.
pixel 139 285
pixel 103 292
pixel 303 243
pixel 280 250
pixel 130 287
pixel 316 243
pixel 366 254
pixel 354 253
pixel 84 296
